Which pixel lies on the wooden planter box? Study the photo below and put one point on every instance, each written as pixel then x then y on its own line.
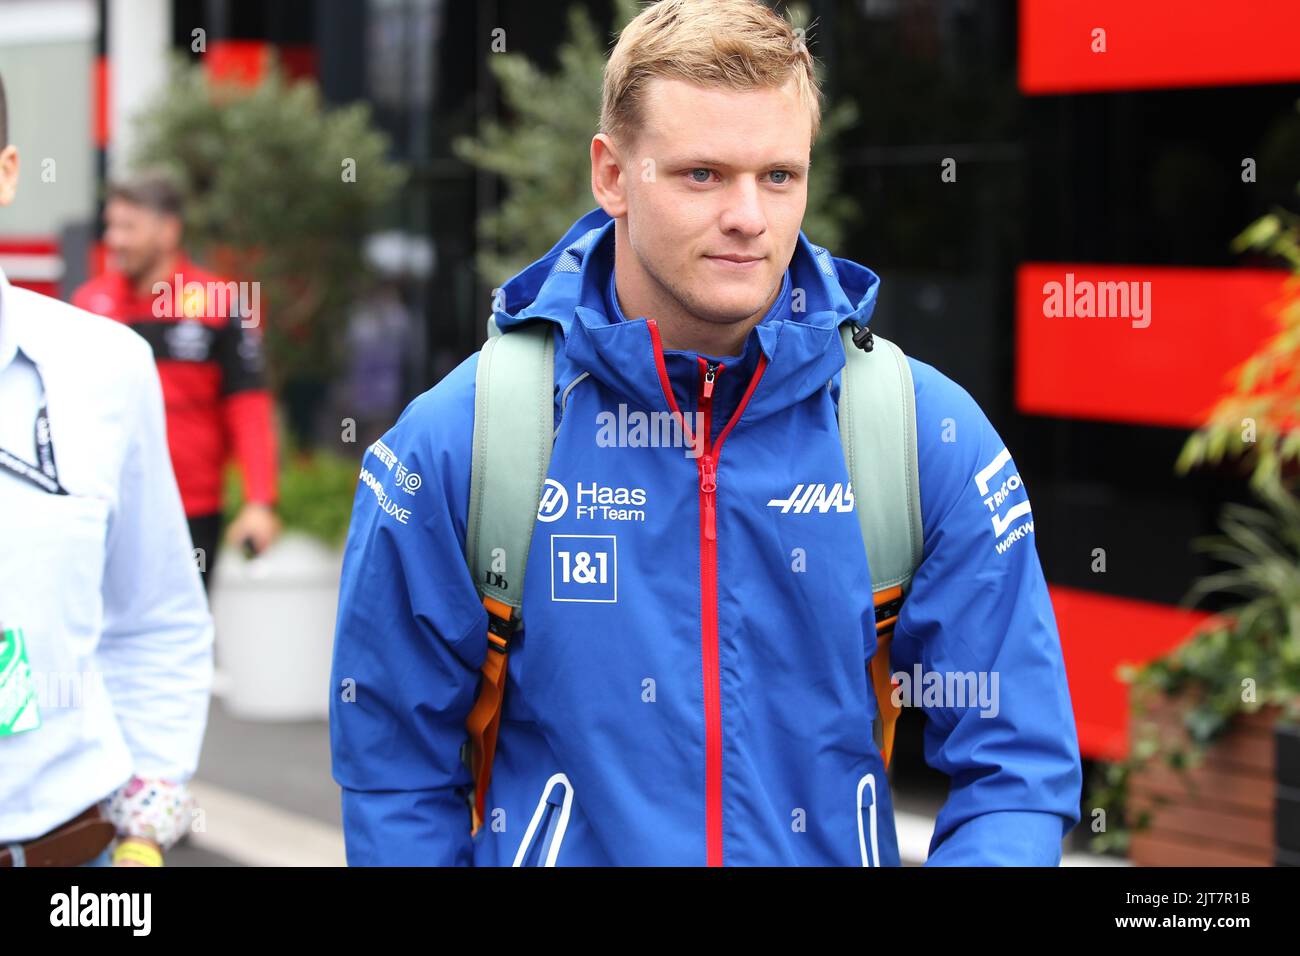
pixel 1219 814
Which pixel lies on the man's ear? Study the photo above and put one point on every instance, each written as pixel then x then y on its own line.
pixel 607 182
pixel 8 174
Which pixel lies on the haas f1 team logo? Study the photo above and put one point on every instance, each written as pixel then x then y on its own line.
pixel 555 501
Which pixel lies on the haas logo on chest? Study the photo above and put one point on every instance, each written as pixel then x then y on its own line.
pixel 821 498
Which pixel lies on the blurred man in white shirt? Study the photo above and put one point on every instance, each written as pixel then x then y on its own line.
pixel 105 636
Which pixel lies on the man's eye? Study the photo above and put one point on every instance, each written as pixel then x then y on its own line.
pixel 781 172
pixel 695 178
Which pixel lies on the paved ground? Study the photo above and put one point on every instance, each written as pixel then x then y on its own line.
pixel 266 794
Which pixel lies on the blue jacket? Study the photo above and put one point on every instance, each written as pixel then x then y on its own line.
pixel 690 684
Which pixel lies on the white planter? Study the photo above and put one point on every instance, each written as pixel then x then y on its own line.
pixel 274 618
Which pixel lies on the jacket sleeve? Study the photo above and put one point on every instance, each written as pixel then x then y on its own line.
pixel 410 640
pixel 155 653
pixel 246 408
pixel 979 606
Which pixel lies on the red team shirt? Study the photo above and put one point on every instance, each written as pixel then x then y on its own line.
pixel 213 380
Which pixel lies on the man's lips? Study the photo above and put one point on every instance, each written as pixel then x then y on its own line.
pixel 736 261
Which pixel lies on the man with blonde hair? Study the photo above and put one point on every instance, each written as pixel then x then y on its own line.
pixel 682 678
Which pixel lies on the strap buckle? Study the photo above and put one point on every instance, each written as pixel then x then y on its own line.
pixel 503 621
pixel 889 609
pixel 864 339
pixel 888 604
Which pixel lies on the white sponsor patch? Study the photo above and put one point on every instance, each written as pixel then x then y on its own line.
pixel 1005 497
pixel 386 502
pixel 554 503
pixel 584 568
pixel 384 454
pixel 821 498
pixel 407 480
pixel 592 501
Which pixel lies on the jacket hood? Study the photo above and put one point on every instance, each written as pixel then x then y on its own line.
pixel 566 286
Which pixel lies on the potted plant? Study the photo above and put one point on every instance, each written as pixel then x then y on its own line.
pixel 1203 779
pixel 280 189
pixel 275 612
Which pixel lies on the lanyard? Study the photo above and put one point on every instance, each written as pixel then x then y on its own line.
pixel 44 474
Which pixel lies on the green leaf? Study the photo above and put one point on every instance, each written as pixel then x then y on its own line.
pixel 1258 234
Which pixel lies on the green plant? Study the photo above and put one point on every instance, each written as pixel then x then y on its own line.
pixel 1250 657
pixel 271 197
pixel 542 155
pixel 316 493
pixel 1238 662
pixel 1259 420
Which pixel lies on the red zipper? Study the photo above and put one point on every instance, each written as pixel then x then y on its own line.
pixel 708 471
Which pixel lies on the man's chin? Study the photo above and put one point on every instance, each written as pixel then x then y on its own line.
pixel 132 273
pixel 726 314
pixel 727 310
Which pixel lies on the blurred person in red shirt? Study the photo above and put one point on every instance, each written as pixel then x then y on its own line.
pixel 206 340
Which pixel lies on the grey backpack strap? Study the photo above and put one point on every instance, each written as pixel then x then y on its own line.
pixel 513 431
pixel 877 411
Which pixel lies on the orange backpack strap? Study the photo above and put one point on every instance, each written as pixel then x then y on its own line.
pixel 889 602
pixel 485 717
pixel 514 427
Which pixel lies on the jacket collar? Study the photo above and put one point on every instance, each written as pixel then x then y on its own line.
pixel 17 331
pixel 566 286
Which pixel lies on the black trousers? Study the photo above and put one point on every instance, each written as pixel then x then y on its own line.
pixel 205 532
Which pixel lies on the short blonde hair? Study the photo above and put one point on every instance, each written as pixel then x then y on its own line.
pixel 735 44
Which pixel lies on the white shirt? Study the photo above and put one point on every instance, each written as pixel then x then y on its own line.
pixel 102 580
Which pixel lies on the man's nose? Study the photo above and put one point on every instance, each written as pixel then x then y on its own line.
pixel 744 208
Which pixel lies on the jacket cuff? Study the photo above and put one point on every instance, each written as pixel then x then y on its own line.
pixel 1003 838
pixel 152 808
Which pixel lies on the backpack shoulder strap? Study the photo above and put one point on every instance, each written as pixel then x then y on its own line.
pixel 514 395
pixel 877 413
pixel 513 432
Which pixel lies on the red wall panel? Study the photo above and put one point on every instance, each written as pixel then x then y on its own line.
pixel 1202 324
pixel 1098 634
pixel 1156 43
